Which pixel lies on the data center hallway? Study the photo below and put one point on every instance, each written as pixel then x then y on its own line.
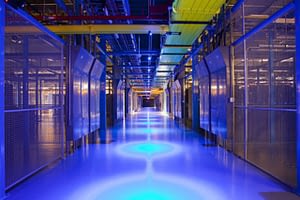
pixel 151 157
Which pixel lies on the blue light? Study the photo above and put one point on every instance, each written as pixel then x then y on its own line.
pixel 153 149
pixel 150 148
pixel 148 190
pixel 154 187
pixel 149 58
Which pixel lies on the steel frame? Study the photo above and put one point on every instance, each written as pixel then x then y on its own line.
pixel 2 132
pixel 297 24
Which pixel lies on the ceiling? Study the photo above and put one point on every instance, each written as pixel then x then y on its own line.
pixel 146 59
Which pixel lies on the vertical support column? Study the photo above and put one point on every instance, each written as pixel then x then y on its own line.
pixel 182 103
pixel 209 101
pixel 115 97
pixel 126 99
pixel 25 73
pixel 246 88
pixel 297 24
pixel 195 102
pixel 2 130
pixel 103 88
pixel 61 104
pixel 272 136
pixel 25 90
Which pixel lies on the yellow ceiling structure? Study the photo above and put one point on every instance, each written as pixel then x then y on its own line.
pixel 189 11
pixel 92 29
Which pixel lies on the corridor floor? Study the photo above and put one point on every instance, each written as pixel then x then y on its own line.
pixel 151 157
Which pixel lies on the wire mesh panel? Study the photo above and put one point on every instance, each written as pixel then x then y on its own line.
pixel 33 97
pixel 272 100
pixel 257 11
pixel 265 94
pixel 239 94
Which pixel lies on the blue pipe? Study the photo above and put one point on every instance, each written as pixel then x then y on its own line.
pixel 62 5
pixel 263 24
pixel 237 6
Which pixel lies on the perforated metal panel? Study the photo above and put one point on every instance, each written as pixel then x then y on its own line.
pixel 217 62
pixel 78 92
pixel 203 77
pixel 120 100
pixel 95 95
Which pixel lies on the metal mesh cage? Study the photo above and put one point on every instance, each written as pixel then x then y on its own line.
pixel 33 97
pixel 265 93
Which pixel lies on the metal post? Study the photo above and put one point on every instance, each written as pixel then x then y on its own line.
pixel 115 97
pixel 25 90
pixel 90 95
pixel 195 102
pixel 271 114
pixel 232 89
pixel 245 88
pixel 103 89
pixel 297 24
pixel 2 133
pixel 182 98
pixel 61 104
pixel 209 101
pixel 127 100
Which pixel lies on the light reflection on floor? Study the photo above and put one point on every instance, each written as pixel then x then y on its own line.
pixel 151 159
pixel 157 187
pixel 147 149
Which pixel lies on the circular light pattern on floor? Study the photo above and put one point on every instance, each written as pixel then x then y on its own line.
pixel 148 190
pixel 148 149
pixel 156 187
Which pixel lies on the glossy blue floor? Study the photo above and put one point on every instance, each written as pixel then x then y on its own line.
pixel 151 158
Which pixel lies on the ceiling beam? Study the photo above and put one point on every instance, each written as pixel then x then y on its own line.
pixel 190 22
pixel 136 66
pixel 173 54
pixel 177 46
pixel 102 17
pixel 91 29
pixel 128 53
pixel 168 63
pixel 108 29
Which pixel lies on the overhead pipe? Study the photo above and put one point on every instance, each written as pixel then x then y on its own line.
pixel 136 67
pixel 97 17
pixel 237 6
pixel 61 4
pixel 128 53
